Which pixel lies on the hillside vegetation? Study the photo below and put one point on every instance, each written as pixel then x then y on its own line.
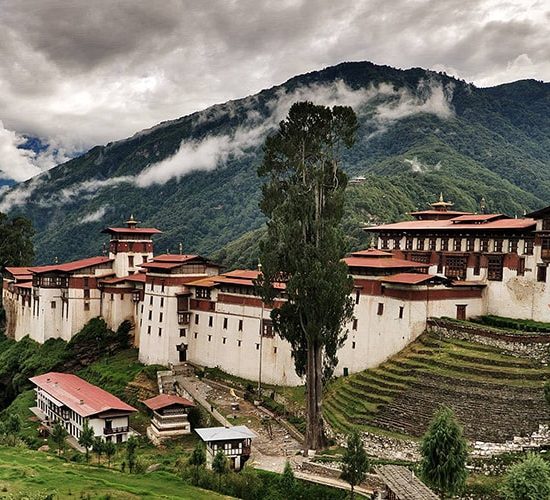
pixel 494 396
pixel 420 133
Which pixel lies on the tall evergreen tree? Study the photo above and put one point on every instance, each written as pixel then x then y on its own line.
pixel 13 426
pixel 303 199
pixel 59 434
pixel 98 447
pixel 197 460
pixel 131 454
pixel 219 466
pixel 86 439
pixel 444 453
pixel 110 449
pixel 355 462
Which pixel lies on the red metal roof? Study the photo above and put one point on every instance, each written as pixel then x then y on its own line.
pixel 478 217
pixel 128 230
pixel 372 252
pixel 174 258
pixel 80 396
pixel 72 266
pixel 204 282
pixel 383 262
pixel 250 274
pixel 409 278
pixel 136 278
pixel 18 271
pixel 165 400
pixel 26 284
pixel 449 225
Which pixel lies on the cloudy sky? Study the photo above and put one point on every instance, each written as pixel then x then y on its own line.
pixel 87 72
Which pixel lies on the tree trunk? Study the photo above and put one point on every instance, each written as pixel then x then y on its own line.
pixel 315 438
pixel 352 496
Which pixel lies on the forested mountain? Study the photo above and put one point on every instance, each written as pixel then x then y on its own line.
pixel 421 133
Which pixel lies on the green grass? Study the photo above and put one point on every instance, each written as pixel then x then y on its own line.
pixel 355 402
pixel 25 471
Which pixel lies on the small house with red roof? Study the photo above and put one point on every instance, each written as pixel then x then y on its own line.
pixel 66 398
pixel 169 417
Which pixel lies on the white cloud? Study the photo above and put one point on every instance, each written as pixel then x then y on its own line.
pixel 419 167
pixel 96 215
pixel 20 194
pixel 15 163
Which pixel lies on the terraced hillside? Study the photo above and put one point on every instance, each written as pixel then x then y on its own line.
pixel 495 396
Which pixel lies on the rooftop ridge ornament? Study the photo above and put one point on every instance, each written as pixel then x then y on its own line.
pixel 132 222
pixel 441 205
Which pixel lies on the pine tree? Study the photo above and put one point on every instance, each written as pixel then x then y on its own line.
pixel 98 447
pixel 86 439
pixel 528 479
pixel 303 199
pixel 109 449
pixel 287 482
pixel 131 446
pixel 355 462
pixel 219 466
pixel 197 460
pixel 13 426
pixel 444 453
pixel 59 434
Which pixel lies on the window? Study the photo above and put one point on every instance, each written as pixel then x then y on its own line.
pixel 130 261
pixel 151 300
pixel 160 332
pixel 202 293
pixel 162 302
pixel 196 319
pixel 484 245
pixel 521 266
pixel 528 247
pixel 210 321
pixel 409 244
pixel 196 334
pixel 239 342
pixel 440 264
pixel 240 325
pixel 401 309
pixel 162 287
pixel 209 338
pixel 161 317
pixel 86 306
pixel 257 347
pixel 354 326
pixel 457 244
pixel 444 244
pixel 380 309
pixel 397 243
pixel 353 345
pixel 149 330
pixel 477 265
pixel 183 332
pixel 52 304
pixel 223 340
pixel 150 315
pixel 541 274
pixel 470 242
pixel 384 240
pixel 275 350
pixel 432 244
pixel 455 267
pixel 545 248
pixel 225 323
pixel 494 268
pixel 498 245
pixel 268 328
pixel 546 224
pixel 112 296
pixel 86 282
pixel 513 246
pixel 420 244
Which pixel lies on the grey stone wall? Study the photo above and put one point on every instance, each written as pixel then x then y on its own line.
pixel 525 345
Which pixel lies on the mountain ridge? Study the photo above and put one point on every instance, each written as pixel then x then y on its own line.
pixel 421 132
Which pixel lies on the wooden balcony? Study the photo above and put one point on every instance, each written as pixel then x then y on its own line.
pixel 115 430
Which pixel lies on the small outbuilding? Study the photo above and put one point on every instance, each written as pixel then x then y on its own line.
pixel 235 442
pixel 170 417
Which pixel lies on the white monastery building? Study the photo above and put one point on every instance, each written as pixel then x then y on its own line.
pixel 66 398
pixel 440 263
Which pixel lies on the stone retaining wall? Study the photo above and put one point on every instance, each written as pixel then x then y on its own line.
pixel 525 345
